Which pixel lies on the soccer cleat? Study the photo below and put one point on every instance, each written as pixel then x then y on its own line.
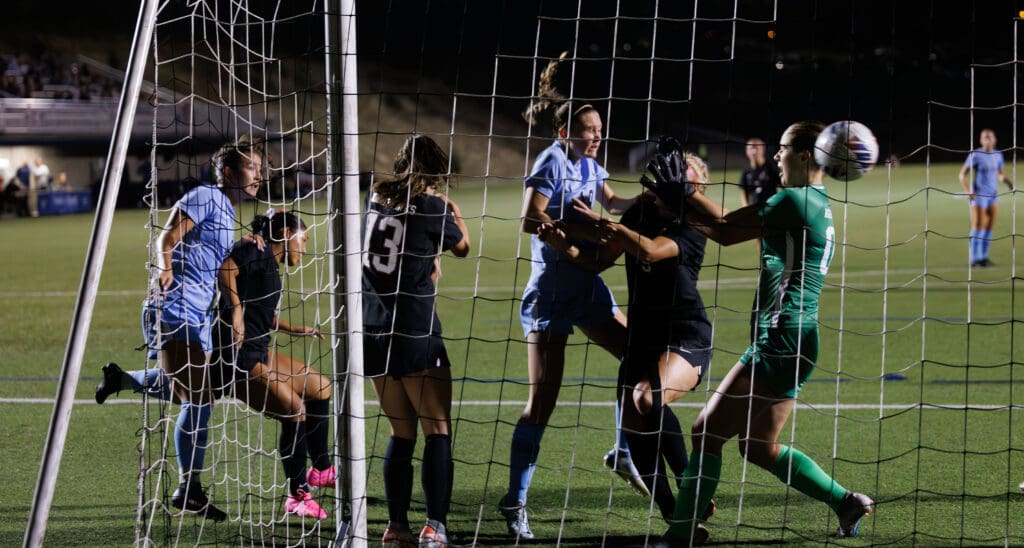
pixel 700 538
pixel 433 535
pixel 618 461
pixel 111 383
pixel 515 518
pixel 302 504
pixel 398 536
pixel 190 498
pixel 322 478
pixel 852 509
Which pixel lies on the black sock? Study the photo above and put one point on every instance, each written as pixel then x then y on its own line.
pixel 673 444
pixel 293 454
pixel 437 476
pixel 318 412
pixel 643 446
pixel 398 478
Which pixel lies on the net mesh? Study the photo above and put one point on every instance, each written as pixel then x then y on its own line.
pixel 913 398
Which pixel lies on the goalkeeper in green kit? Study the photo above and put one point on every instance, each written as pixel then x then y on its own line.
pixel 754 400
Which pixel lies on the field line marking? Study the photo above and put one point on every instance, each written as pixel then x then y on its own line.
pixel 740 282
pixel 521 403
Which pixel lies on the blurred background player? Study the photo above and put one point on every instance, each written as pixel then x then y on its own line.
pixel 408 224
pixel 760 180
pixel 756 398
pixel 668 340
pixel 987 165
pixel 560 294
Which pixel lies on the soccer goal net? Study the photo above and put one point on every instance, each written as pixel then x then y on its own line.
pixel 912 398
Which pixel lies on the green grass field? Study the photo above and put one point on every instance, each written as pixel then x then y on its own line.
pixel 904 322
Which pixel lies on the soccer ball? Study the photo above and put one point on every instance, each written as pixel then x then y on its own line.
pixel 846 150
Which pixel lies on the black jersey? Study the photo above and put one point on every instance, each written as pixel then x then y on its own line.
pixel 664 304
pixel 760 183
pixel 399 250
pixel 259 290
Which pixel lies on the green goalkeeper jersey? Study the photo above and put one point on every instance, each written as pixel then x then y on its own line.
pixel 798 244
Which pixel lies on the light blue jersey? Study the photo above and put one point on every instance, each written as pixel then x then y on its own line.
pixel 561 180
pixel 195 262
pixel 559 293
pixel 986 166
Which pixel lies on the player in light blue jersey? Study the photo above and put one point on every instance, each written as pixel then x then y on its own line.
pixel 560 295
pixel 986 164
pixel 756 397
pixel 194 243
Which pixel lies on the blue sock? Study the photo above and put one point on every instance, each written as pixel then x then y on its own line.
pixel 975 248
pixel 620 436
pixel 523 460
pixel 190 437
pixel 152 381
pixel 984 241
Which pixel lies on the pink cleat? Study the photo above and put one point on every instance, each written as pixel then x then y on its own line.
pixel 322 478
pixel 303 505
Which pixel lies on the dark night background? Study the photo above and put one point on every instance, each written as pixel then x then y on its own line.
pixel 901 66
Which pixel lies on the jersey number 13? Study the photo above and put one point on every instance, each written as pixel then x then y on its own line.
pixel 384 259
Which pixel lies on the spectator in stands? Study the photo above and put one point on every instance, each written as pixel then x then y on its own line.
pixel 24 174
pixel 39 181
pixel 12 198
pixel 60 184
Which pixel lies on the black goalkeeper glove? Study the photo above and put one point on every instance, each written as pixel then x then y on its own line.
pixel 669 183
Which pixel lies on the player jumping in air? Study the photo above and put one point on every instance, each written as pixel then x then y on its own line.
pixel 560 294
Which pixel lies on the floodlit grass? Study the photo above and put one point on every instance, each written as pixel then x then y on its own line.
pixel 904 322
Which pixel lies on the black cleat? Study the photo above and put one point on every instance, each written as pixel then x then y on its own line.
pixel 191 498
pixel 700 538
pixel 111 383
pixel 851 511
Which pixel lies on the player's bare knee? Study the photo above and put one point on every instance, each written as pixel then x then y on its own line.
pixel 326 390
pixel 643 399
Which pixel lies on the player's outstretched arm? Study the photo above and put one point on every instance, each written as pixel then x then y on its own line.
pixel 734 227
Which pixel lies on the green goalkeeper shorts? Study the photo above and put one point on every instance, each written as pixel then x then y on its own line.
pixel 782 358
